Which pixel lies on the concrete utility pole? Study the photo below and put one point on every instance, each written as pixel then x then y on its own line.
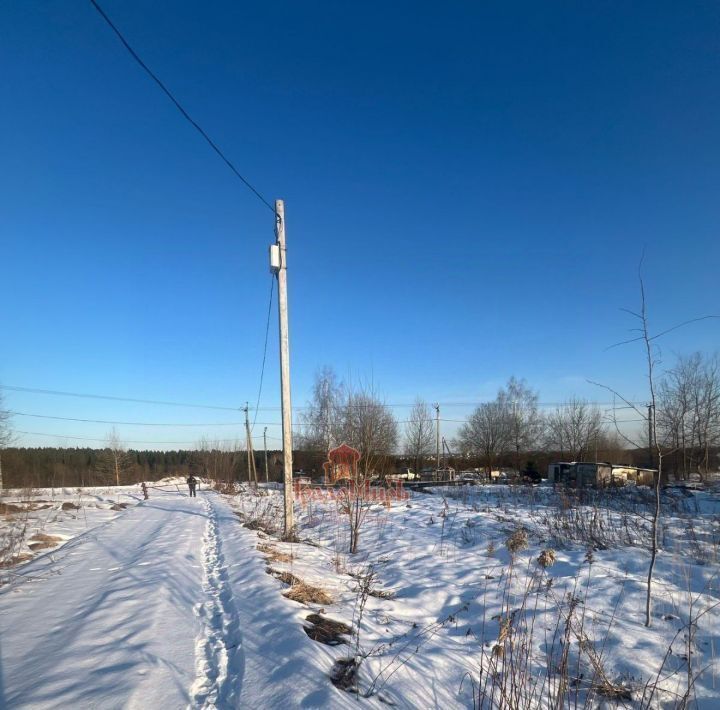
pixel 278 263
pixel 437 441
pixel 265 448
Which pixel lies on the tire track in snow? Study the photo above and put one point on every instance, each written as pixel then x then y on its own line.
pixel 219 656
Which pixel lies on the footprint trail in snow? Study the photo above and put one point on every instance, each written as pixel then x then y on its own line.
pixel 219 657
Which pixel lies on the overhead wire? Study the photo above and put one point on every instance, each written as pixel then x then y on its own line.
pixel 131 441
pixel 125 423
pixel 210 142
pixel 179 106
pixel 60 393
pixel 136 57
pixel 408 405
pixel 168 424
pixel 262 369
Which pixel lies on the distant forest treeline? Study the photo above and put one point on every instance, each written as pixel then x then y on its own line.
pixel 46 467
pixel 59 467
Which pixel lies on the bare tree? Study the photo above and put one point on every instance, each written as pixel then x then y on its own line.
pixel 526 422
pixel 114 462
pixel 651 362
pixel 574 429
pixel 419 433
pixel 5 432
pixel 487 433
pixel 366 424
pixel 322 421
pixel 339 413
pixel 688 414
pixel 656 444
pixel 610 447
pixel 220 462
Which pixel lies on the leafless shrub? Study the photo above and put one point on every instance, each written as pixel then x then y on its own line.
pixel 13 530
pixel 226 488
pixel 262 513
pixel 517 541
pixel 546 558
pixel 593 526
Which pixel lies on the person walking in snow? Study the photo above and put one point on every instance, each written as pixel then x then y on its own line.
pixel 192 482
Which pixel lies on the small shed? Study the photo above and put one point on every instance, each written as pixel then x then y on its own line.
pixel 341 464
pixel 600 475
pixel 557 471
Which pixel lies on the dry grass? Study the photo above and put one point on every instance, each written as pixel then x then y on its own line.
pixel 41 541
pixel 382 593
pixel 272 554
pixel 9 508
pixel 285 577
pixel 256 524
pixel 327 631
pixel 307 594
pixel 344 674
pixel 299 590
pixel 15 560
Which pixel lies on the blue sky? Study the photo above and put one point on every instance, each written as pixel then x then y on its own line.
pixel 468 187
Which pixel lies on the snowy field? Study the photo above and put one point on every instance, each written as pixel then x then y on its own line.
pixel 33 521
pixel 162 604
pixel 481 596
pixel 495 596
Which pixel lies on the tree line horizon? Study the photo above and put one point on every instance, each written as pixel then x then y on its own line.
pixel 507 432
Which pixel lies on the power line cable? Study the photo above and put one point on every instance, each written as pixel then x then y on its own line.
pixel 59 393
pixel 408 405
pixel 176 424
pixel 179 106
pixel 262 369
pixel 163 424
pixel 111 421
pixel 130 441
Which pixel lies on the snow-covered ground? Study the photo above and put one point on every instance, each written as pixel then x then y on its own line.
pixel 482 596
pixel 464 609
pixel 162 604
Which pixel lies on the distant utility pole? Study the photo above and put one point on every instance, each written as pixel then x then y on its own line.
pixel 265 449
pixel 252 473
pixel 446 453
pixel 437 441
pixel 247 439
pixel 278 265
